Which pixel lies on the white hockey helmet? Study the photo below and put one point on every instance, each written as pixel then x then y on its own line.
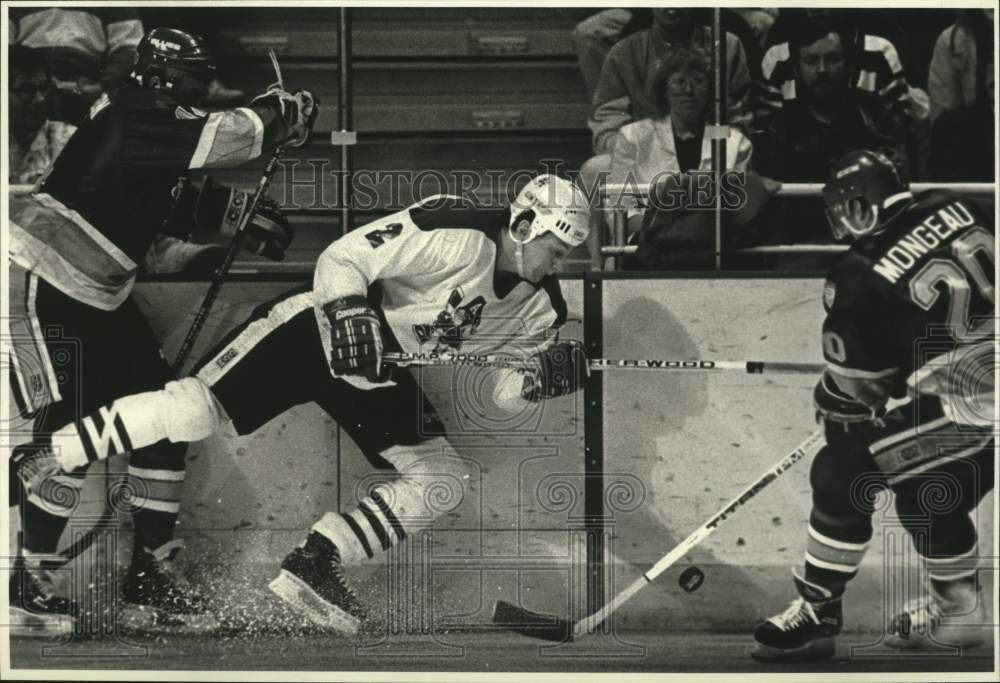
pixel 560 207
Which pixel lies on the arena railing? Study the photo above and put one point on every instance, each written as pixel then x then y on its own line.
pixel 639 191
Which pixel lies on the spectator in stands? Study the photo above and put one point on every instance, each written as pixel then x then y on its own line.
pixel 674 141
pixel 962 91
pixel 826 93
pixel 828 89
pixel 90 50
pixel 624 93
pixel 33 141
pixel 596 34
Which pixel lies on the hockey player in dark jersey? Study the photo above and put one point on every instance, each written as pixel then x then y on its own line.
pixel 441 276
pixel 907 402
pixel 78 337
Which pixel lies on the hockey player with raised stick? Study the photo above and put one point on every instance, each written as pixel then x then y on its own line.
pixel 440 276
pixel 907 402
pixel 79 339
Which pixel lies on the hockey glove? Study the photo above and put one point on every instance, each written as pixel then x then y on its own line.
pixel 268 233
pixel 836 408
pixel 355 339
pixel 297 112
pixel 218 208
pixel 563 369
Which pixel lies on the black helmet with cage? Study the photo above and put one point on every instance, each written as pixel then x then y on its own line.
pixel 863 194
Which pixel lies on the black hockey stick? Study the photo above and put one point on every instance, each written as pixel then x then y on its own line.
pixel 547 627
pixel 219 276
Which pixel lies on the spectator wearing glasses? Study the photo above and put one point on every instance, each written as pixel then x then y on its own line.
pixel 674 141
pixel 33 141
pixel 624 90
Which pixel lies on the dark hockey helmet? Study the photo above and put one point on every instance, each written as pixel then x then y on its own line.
pixel 863 194
pixel 177 62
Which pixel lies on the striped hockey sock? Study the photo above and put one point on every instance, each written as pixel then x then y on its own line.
pixel 834 550
pixel 371 528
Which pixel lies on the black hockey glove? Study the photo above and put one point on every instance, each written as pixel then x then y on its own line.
pixel 297 112
pixel 563 369
pixel 218 208
pixel 268 233
pixel 355 339
pixel 837 411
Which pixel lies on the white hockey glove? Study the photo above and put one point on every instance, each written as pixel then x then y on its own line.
pixel 563 369
pixel 355 339
pixel 297 112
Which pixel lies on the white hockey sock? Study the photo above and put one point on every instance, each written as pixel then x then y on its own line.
pixel 182 411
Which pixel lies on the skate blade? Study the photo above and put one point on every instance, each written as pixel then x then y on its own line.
pixel 304 599
pixel 25 624
pixel 821 648
pixel 146 619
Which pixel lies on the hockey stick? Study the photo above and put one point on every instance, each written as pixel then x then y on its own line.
pixel 600 364
pixel 547 627
pixel 219 276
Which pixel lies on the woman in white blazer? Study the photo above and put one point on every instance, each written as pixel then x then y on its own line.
pixel 675 140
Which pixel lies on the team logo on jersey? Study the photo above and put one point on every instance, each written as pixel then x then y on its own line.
pixel 454 324
pixel 377 238
pixel 829 294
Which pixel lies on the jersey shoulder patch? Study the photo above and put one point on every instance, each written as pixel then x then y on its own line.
pixel 849 282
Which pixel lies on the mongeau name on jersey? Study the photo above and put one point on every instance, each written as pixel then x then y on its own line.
pixel 931 233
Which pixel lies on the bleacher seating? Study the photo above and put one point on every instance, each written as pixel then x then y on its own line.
pixel 452 93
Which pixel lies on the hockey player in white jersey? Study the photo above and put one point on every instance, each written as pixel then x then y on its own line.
pixel 438 276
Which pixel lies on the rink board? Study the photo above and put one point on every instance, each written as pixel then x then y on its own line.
pixel 676 448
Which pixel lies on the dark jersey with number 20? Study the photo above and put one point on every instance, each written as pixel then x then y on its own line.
pixel 908 299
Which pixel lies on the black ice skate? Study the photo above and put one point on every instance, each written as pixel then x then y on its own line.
pixel 158 599
pixel 312 581
pixel 805 631
pixel 35 609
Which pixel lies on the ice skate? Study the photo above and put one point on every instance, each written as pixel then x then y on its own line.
pixel 159 599
pixel 35 609
pixel 312 581
pixel 806 631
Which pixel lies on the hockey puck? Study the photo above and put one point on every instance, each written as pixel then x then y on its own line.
pixel 691 579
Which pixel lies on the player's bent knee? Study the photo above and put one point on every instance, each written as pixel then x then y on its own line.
pixel 182 411
pixel 196 415
pixel 434 457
